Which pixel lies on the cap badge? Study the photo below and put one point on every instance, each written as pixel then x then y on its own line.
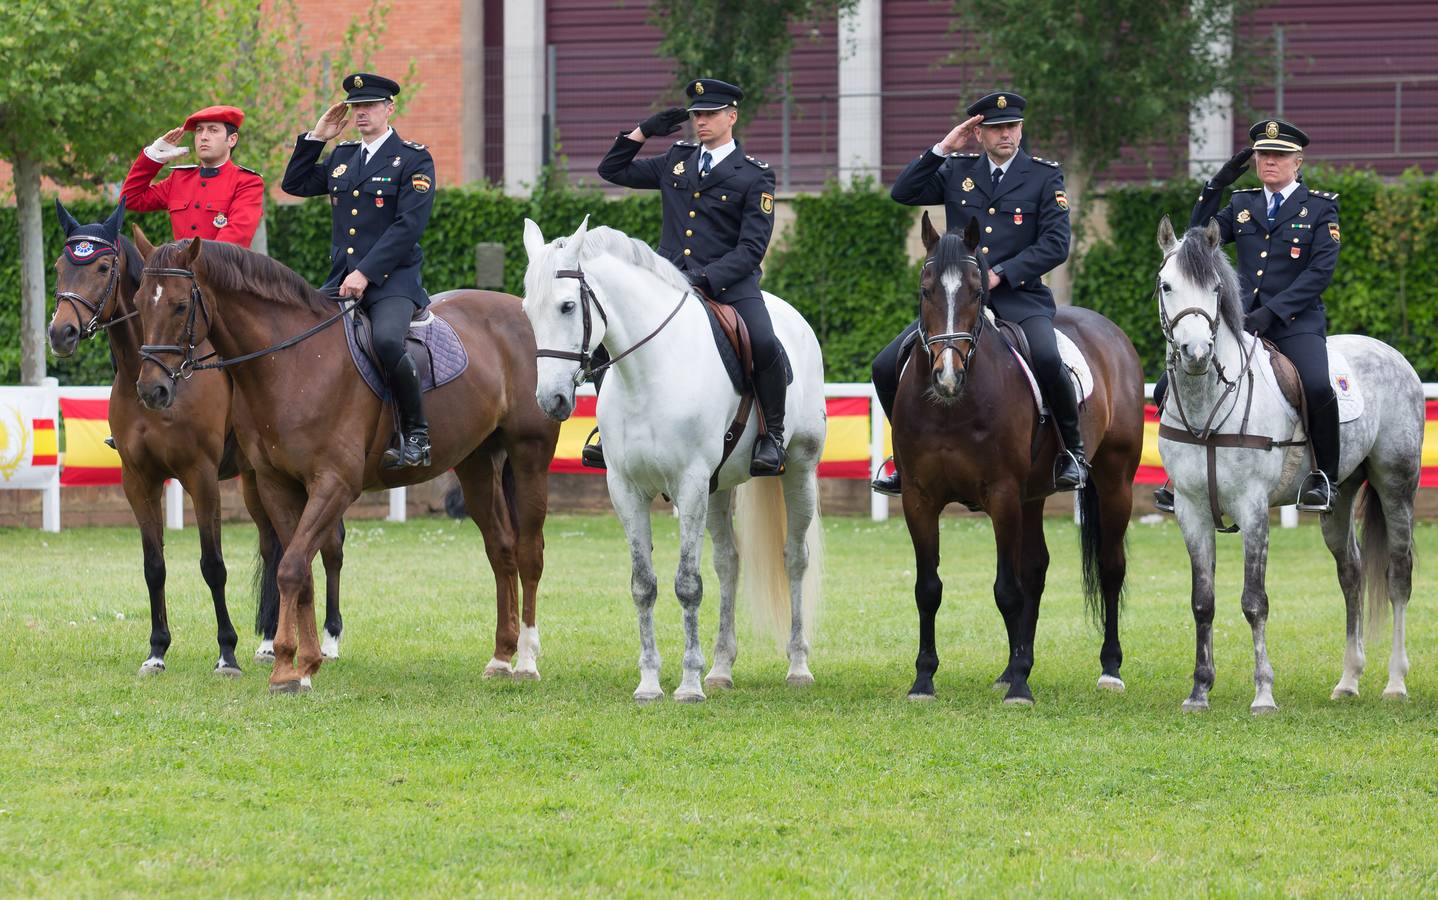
pixel 339 170
pixel 1003 102
pixel 1271 130
pixel 221 221
pixel 1243 216
pixel 968 184
pixel 358 82
pixel 698 87
pixel 679 168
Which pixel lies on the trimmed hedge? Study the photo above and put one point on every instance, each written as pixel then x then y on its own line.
pixel 1387 268
pixel 844 262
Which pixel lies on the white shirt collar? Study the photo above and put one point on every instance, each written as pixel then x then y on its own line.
pixel 716 156
pixel 1002 168
pixel 369 147
pixel 1285 193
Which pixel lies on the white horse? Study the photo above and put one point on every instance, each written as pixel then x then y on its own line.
pixel 1215 392
pixel 663 415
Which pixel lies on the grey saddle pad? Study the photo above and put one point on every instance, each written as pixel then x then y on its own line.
pixel 432 344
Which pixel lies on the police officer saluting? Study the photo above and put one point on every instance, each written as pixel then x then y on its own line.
pixel 1287 239
pixel 1021 207
pixel 718 217
pixel 381 191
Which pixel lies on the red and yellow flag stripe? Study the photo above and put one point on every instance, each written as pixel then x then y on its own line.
pixel 88 461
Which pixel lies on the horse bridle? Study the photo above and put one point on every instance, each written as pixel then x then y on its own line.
pixel 947 340
pixel 189 364
pixel 584 357
pixel 97 307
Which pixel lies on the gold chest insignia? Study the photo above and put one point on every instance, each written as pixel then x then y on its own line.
pixel 1271 131
pixel 968 184
pixel 1243 216
pixel 339 170
pixel 679 167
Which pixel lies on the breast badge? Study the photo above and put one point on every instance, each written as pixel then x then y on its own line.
pixel 679 168
pixel 968 184
pixel 1244 216
pixel 339 170
pixel 1302 211
pixel 221 221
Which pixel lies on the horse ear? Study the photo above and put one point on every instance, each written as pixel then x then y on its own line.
pixel 927 232
pixel 576 243
pixel 192 253
pixel 142 243
pixel 67 221
pixel 971 234
pixel 533 238
pixel 1167 240
pixel 1213 235
pixel 116 221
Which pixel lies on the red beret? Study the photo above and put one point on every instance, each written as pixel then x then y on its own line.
pixel 230 115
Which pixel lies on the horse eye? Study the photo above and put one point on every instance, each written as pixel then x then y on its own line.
pixel 104 267
pixel 566 307
pixel 181 307
pixel 1163 286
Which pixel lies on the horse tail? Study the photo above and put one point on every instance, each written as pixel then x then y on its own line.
pixel 1090 541
pixel 454 502
pixel 761 528
pixel 267 578
pixel 1375 557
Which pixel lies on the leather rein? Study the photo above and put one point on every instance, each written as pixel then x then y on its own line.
pixel 189 363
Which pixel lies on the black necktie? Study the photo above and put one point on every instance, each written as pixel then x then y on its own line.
pixel 704 162
pixel 997 173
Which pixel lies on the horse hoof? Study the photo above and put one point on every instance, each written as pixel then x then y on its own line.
pixel 642 696
pixel 296 686
pixel 498 669
pixel 920 698
pixel 1263 709
pixel 330 647
pixel 719 682
pixel 1192 705
pixel 694 696
pixel 152 666
pixel 1395 694
pixel 1018 701
pixel 228 670
pixel 801 679
pixel 265 653
pixel 1343 693
pixel 1111 683
pixel 526 674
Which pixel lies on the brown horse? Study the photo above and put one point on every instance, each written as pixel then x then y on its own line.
pixel 315 431
pixel 966 429
pixel 96 277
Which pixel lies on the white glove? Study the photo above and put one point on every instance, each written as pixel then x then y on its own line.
pixel 163 151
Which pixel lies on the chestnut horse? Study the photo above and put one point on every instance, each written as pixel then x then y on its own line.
pixel 96 277
pixel 315 431
pixel 966 429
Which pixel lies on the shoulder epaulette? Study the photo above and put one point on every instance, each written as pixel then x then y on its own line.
pixel 1246 190
pixel 962 156
pixel 685 144
pixel 1051 163
pixel 1326 195
pixel 347 143
pixel 758 162
pixel 248 169
pixel 414 145
pixel 186 166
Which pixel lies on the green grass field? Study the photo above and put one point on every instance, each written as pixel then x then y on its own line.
pixel 406 773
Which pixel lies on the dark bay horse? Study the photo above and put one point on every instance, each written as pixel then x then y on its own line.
pixel 96 277
pixel 315 432
pixel 966 429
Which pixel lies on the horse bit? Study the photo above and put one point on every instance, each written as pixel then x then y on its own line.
pixel 97 307
pixel 584 357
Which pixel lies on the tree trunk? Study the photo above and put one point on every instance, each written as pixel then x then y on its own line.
pixel 1076 181
pixel 32 271
pixel 261 242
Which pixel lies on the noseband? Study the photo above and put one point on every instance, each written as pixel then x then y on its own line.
pixel 97 307
pixel 584 357
pixel 948 340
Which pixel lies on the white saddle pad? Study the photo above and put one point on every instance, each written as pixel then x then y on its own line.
pixel 1074 364
pixel 1340 374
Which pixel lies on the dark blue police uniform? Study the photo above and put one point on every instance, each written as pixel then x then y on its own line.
pixel 1284 265
pixel 379 211
pixel 716 228
pixel 1024 219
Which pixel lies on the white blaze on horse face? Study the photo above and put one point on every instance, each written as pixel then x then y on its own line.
pixel 1192 335
pixel 950 281
pixel 155 300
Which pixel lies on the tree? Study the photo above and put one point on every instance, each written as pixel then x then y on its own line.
pixel 746 42
pixel 1101 75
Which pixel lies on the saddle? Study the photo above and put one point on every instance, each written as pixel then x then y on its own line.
pixel 438 354
pixel 736 351
pixel 1286 374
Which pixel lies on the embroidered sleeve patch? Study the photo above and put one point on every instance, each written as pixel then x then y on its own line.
pixel 1062 200
pixel 1333 231
pixel 420 182
pixel 766 203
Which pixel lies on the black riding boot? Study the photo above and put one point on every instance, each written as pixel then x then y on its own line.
pixel 888 485
pixel 592 456
pixel 414 429
pixel 1070 466
pixel 1319 489
pixel 1163 497
pixel 769 389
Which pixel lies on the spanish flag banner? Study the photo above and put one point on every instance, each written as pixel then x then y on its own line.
pixel 88 460
pixel 29 448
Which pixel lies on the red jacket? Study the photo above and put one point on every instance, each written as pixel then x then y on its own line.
pixel 223 204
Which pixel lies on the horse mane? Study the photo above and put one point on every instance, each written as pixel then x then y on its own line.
pixel 134 262
pixel 230 267
pixel 951 252
pixel 1204 266
pixel 602 240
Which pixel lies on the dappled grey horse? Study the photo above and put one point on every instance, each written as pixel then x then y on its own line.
pixel 1227 426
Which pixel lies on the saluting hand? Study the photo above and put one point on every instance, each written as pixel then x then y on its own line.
pixel 1232 169
pixel 955 140
pixel 332 122
pixel 165 148
pixel 354 285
